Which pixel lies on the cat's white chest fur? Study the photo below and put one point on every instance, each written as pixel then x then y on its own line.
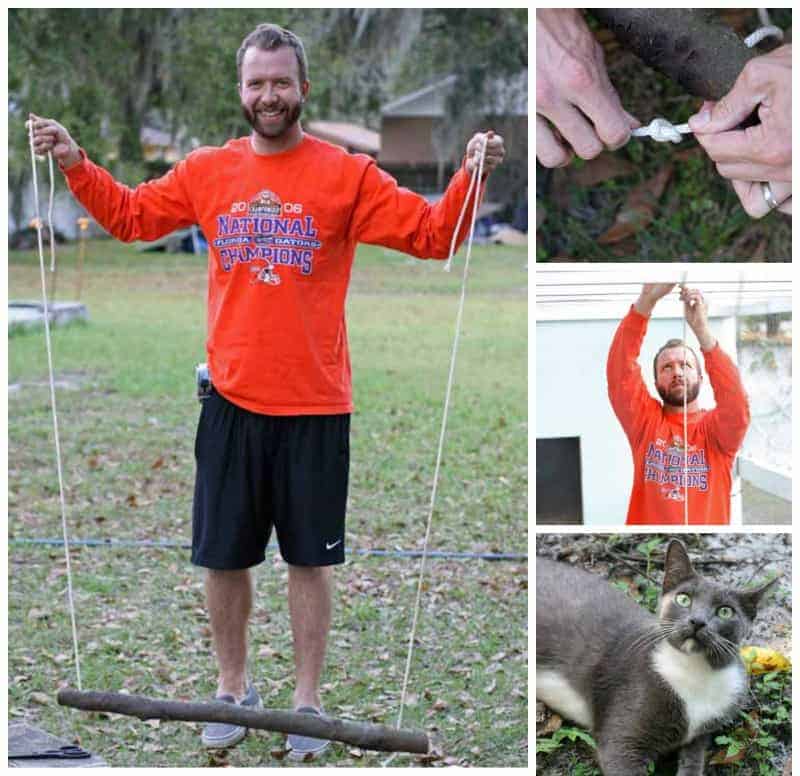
pixel 707 694
pixel 555 691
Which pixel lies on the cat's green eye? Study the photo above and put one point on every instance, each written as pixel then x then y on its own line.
pixel 725 612
pixel 682 599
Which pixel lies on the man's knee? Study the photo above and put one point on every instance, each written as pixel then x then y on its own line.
pixel 311 573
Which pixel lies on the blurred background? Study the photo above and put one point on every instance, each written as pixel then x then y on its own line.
pixel 139 88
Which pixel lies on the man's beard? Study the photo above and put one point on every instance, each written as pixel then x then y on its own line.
pixel 278 129
pixel 671 396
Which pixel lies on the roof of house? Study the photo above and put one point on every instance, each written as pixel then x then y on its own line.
pixel 347 135
pixel 575 292
pixel 510 98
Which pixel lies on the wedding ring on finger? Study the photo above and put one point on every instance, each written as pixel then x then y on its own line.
pixel 769 197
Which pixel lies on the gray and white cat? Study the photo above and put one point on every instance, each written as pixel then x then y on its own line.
pixel 644 686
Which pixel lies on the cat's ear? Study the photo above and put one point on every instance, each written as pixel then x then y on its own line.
pixel 677 566
pixel 752 598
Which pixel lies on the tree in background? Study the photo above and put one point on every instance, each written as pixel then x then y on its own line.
pixel 105 73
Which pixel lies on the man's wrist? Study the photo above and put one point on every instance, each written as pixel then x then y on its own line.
pixel 707 341
pixel 71 159
pixel 644 306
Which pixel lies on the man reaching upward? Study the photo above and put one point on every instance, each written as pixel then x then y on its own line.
pixel 661 456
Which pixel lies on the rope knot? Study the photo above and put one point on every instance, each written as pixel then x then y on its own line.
pixel 662 131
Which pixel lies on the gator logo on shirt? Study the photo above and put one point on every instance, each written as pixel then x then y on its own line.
pixel 266 275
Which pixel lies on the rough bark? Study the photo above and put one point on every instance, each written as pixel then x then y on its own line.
pixel 380 738
pixel 686 44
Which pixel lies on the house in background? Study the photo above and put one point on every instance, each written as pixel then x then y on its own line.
pixel 421 150
pixel 584 468
pixel 354 138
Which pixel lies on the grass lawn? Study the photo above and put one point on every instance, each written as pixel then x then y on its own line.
pixel 127 417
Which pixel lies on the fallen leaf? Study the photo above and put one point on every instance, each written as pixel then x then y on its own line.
pixel 159 462
pixel 721 757
pixel 639 208
pixel 601 168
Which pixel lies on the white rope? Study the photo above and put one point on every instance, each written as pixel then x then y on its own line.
pixel 70 597
pixel 663 131
pixel 476 176
pixel 685 434
pixel 685 416
pixel 768 31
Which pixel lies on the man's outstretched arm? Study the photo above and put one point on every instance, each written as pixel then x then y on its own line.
pixel 627 391
pixel 147 212
pixel 390 215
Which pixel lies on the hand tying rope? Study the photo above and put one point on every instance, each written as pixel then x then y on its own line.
pixel 663 131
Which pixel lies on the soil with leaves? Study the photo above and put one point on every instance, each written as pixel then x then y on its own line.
pixel 127 417
pixel 758 743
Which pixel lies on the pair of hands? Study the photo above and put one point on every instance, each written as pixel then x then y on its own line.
pixel 695 308
pixel 579 112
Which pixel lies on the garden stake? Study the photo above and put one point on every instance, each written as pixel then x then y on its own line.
pixel 382 738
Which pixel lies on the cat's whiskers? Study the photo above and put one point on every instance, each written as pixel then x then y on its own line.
pixel 647 639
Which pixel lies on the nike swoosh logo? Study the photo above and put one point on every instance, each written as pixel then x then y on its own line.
pixel 331 546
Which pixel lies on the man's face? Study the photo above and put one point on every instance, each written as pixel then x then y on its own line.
pixel 270 90
pixel 674 376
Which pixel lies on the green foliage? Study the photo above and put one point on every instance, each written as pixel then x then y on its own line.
pixel 104 72
pixel 564 733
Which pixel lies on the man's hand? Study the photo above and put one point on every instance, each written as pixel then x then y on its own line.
pixel 650 294
pixel 50 137
pixel 573 92
pixel 495 152
pixel 759 153
pixel 696 311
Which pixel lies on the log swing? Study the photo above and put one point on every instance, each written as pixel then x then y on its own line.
pixel 380 738
pixel 364 735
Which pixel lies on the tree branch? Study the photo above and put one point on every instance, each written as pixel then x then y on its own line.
pixel 380 738
pixel 686 44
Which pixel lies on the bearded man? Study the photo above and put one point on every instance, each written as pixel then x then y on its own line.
pixel 668 466
pixel 282 213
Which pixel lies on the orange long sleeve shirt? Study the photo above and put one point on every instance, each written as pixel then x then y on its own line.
pixel 657 441
pixel 282 230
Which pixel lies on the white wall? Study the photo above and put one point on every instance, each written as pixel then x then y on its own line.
pixel 572 400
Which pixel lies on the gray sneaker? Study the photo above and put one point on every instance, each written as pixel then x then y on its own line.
pixel 221 735
pixel 306 747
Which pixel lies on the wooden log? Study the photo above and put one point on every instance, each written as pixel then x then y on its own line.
pixel 686 44
pixel 380 738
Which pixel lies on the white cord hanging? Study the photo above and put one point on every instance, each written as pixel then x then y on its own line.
pixel 477 174
pixel 38 221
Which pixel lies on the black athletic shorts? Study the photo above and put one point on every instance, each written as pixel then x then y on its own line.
pixel 255 471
